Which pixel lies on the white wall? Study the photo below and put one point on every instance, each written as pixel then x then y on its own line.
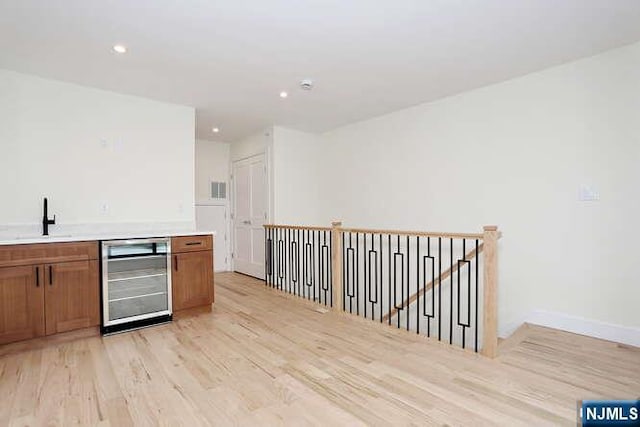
pixel 252 145
pixel 86 148
pixel 297 175
pixel 211 164
pixel 514 154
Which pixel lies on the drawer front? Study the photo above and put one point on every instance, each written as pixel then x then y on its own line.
pixel 39 253
pixel 191 243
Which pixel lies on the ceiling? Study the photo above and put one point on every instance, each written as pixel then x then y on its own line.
pixel 231 58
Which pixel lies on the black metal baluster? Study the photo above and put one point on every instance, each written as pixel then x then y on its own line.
pixel 408 283
pixel 304 264
pixel 291 245
pixel 293 258
pixel 458 290
pixel 320 268
pixel 451 291
pixel 433 287
pixel 364 266
pixel 277 251
pixel 379 287
pixel 439 288
pixel 464 250
pixel 273 257
pixel 418 285
pixel 351 277
pixel 313 263
pixel 287 245
pixel 464 262
pixel 277 248
pixel 326 269
pixel 281 259
pixel 468 322
pixel 373 270
pixel 326 265
pixel 476 301
pixel 310 269
pixel 330 261
pixel 298 246
pixel 295 250
pixel 391 305
pixel 395 278
pixel 344 275
pixel 357 281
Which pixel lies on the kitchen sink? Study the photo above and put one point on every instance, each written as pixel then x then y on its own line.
pixel 35 236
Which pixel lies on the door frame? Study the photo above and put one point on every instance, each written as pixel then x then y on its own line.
pixel 266 155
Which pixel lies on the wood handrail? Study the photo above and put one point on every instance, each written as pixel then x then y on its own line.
pixel 468 257
pixel 297 227
pixel 445 235
pixel 415 233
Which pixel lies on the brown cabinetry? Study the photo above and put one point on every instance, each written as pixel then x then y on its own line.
pixel 21 303
pixel 192 275
pixel 48 288
pixel 72 299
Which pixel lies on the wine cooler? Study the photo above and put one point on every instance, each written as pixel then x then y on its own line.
pixel 136 283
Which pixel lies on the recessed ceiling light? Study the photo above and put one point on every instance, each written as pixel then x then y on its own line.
pixel 283 94
pixel 215 130
pixel 120 48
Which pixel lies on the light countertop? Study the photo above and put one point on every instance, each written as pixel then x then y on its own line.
pixel 104 235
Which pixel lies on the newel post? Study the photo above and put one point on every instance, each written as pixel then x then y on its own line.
pixel 336 265
pixel 490 320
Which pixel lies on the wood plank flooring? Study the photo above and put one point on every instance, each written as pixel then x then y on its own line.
pixel 265 358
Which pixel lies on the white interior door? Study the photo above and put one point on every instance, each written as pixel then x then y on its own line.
pixel 250 213
pixel 214 218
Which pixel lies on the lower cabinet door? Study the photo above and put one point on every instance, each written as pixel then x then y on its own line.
pixel 21 303
pixel 72 296
pixel 192 280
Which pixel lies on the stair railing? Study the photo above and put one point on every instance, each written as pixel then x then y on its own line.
pixel 442 285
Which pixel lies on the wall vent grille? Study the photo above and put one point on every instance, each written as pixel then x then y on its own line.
pixel 218 190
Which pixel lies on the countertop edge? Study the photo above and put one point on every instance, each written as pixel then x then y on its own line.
pixel 105 236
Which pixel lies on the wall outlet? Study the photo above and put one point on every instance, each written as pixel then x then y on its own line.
pixel 104 208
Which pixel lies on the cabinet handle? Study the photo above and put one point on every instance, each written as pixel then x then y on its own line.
pixel 175 261
pixel 193 244
pixel 37 277
pixel 50 275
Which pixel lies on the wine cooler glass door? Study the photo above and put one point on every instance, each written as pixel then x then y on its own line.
pixel 136 280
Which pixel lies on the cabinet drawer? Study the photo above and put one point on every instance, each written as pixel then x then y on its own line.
pixel 191 243
pixel 41 253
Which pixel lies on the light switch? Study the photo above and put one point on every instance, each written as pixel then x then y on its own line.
pixel 587 193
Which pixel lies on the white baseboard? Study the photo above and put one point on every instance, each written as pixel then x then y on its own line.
pixel 577 325
pixel 505 331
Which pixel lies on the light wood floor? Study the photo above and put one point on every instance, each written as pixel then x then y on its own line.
pixel 264 358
